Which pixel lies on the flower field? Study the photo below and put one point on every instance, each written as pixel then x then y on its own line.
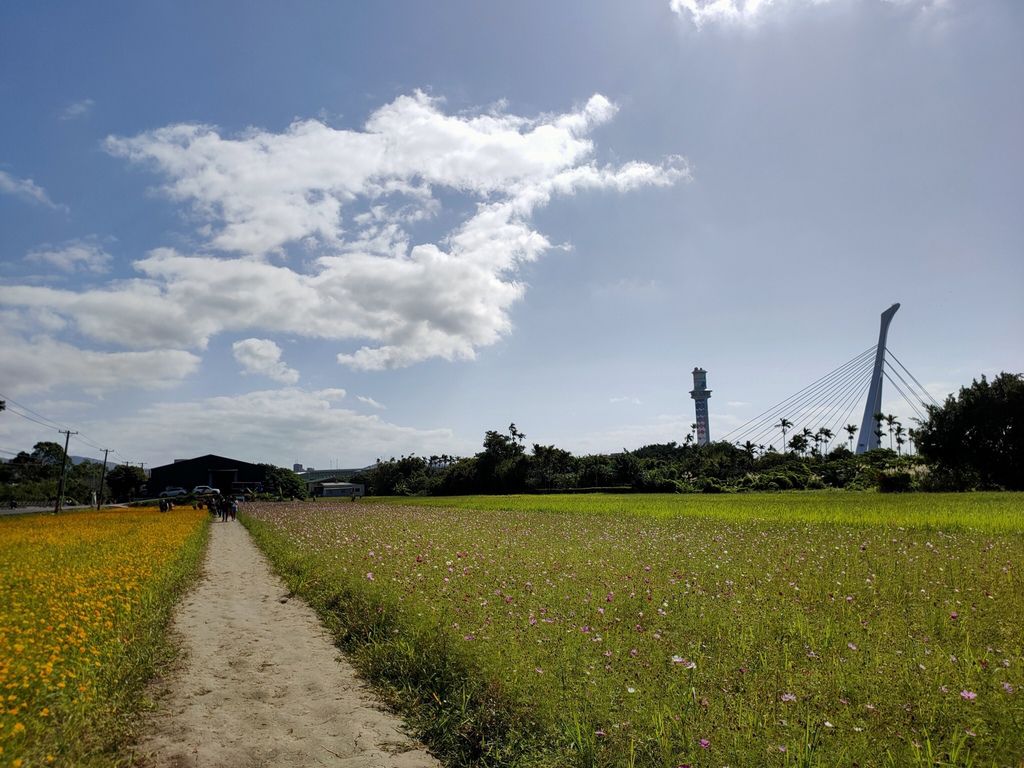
pixel 84 599
pixel 774 630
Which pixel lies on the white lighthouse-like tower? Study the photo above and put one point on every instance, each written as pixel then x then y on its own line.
pixel 700 394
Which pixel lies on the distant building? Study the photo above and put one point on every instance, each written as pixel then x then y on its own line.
pixel 228 475
pixel 334 490
pixel 296 467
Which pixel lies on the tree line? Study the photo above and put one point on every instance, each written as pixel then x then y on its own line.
pixel 975 440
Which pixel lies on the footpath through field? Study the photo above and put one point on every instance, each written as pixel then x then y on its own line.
pixel 260 682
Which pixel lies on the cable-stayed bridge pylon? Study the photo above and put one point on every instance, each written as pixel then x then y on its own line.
pixel 822 410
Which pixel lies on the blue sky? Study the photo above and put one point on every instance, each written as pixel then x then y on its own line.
pixel 331 232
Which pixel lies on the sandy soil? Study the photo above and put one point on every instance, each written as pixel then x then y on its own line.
pixel 260 683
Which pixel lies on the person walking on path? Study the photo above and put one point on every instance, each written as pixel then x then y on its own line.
pixel 261 683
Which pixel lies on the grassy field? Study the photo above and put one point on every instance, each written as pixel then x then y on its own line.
pixel 775 630
pixel 84 601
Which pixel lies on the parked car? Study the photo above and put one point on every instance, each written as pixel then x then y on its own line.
pixel 203 490
pixel 172 491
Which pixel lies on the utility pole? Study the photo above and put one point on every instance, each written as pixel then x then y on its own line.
pixel 103 476
pixel 63 467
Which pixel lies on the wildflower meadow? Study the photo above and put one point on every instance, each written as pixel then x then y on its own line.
pixel 84 601
pixel 774 629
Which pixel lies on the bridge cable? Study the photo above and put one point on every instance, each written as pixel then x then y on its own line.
pixel 919 384
pixel 811 399
pixel 772 412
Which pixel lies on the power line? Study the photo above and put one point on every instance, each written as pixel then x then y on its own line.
pixel 37 421
pixel 54 424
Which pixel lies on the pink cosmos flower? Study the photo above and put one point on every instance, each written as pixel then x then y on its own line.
pixel 788 697
pixel 369 576
pixel 851 646
pixel 1007 687
pixel 705 744
pixel 954 615
pixel 968 695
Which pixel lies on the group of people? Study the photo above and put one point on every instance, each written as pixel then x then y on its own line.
pixel 223 507
pixel 166 505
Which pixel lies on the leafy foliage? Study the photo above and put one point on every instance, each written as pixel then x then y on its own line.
pixel 976 439
pixel 282 482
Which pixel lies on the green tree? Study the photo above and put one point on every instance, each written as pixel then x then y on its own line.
pixel 890 422
pixel 784 425
pixel 125 481
pixel 282 482
pixel 826 438
pixel 976 439
pixel 798 443
pixel 851 430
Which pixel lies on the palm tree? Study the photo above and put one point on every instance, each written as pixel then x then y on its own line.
pixel 879 418
pixel 816 437
pixel 748 447
pixel 826 437
pixel 890 420
pixel 784 424
pixel 899 438
pixel 798 443
pixel 693 431
pixel 851 430
pixel 808 437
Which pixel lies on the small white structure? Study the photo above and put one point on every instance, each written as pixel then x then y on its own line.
pixel 328 490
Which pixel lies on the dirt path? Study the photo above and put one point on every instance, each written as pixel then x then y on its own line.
pixel 260 683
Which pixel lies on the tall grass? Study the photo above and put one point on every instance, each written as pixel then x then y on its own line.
pixel 993 512
pixel 725 632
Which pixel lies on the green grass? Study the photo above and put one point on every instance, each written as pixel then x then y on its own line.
pixel 780 629
pixel 983 511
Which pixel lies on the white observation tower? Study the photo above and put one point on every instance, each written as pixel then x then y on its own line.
pixel 700 394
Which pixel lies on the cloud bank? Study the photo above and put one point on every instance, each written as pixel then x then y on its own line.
pixel 352 198
pixel 750 12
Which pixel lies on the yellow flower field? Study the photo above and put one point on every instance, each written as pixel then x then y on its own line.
pixel 84 600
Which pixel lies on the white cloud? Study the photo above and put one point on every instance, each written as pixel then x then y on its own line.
pixel 41 363
pixel 370 402
pixel 750 12
pixel 80 254
pixel 279 426
pixel 26 189
pixel 263 357
pixel 77 109
pixel 266 189
pixel 630 400
pixel 261 191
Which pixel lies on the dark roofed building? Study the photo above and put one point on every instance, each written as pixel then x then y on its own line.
pixel 229 475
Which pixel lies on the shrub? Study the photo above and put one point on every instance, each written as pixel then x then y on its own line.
pixel 895 481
